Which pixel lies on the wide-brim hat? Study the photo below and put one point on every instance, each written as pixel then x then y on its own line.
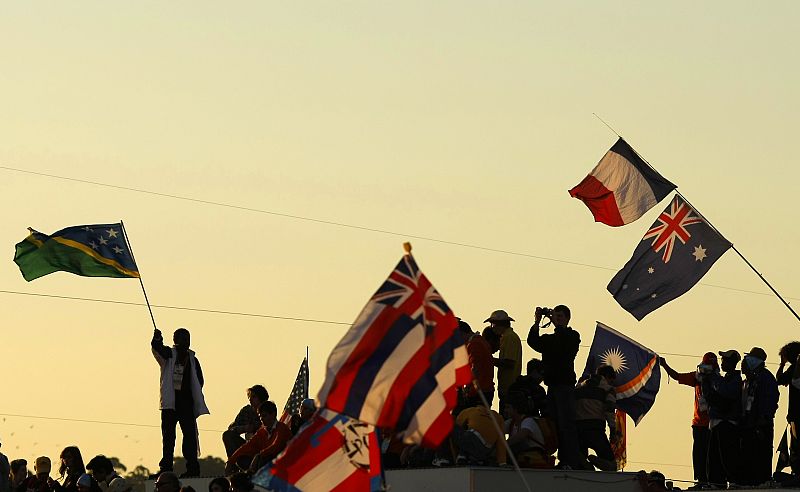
pixel 498 315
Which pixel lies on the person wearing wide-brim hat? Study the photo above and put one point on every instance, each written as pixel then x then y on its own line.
pixel 509 359
pixel 724 397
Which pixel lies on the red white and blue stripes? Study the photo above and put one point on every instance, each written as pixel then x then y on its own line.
pixel 400 363
pixel 622 187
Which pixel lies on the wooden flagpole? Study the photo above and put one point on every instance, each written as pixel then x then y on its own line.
pixel 747 262
pixel 130 250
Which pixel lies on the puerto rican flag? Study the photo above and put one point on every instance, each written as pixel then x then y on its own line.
pixel 399 364
pixel 637 368
pixel 622 187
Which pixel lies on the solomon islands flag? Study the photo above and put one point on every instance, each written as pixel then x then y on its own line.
pixel 332 453
pixel 399 364
pixel 674 254
pixel 638 374
pixel 98 250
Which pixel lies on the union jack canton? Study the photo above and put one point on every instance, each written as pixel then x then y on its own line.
pixel 674 254
pixel 399 364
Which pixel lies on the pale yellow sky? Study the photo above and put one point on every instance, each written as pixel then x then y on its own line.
pixel 462 121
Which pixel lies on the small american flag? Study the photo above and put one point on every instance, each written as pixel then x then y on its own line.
pixel 299 393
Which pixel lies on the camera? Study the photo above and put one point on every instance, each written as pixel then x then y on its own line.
pixel 545 311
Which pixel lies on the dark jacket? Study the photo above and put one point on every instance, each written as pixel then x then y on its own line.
pixel 760 399
pixel 558 351
pixel 784 378
pixel 535 395
pixel 724 395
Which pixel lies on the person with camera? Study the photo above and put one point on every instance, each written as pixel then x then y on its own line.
pixel 724 397
pixel 558 351
pixel 700 431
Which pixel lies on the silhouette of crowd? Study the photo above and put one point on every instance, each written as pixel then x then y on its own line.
pixel 547 417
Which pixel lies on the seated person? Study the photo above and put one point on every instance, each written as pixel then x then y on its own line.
pixel 525 437
pixel 595 401
pixel 307 410
pixel 268 441
pixel 531 386
pixel 477 439
pixel 246 421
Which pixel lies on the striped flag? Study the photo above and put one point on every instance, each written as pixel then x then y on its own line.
pixel 333 453
pixel 400 363
pixel 638 373
pixel 298 394
pixel 622 187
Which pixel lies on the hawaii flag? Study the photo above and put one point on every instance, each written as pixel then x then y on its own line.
pixel 638 374
pixel 622 187
pixel 333 453
pixel 400 363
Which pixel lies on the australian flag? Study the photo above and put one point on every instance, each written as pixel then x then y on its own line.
pixel 638 375
pixel 673 255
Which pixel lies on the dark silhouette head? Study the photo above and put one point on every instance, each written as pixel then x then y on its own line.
pixel 182 339
pixel 561 316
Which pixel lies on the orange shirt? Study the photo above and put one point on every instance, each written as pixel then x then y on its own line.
pixel 480 358
pixel 267 443
pixel 700 417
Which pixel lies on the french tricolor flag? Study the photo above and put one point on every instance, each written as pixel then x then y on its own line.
pixel 622 187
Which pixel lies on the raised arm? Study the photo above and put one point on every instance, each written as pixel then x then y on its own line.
pixel 534 340
pixel 670 371
pixel 157 345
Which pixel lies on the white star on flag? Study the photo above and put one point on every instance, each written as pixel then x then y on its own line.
pixel 117 249
pixel 615 358
pixel 93 245
pixel 699 253
pixel 102 240
pixel 111 232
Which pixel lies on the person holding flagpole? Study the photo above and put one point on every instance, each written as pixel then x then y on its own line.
pixel 182 401
pixel 700 431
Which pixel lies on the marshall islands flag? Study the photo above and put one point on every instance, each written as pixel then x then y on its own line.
pixel 99 250
pixel 638 374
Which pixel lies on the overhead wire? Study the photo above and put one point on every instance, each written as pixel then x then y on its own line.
pixel 87 421
pixel 309 320
pixel 347 225
pixel 233 313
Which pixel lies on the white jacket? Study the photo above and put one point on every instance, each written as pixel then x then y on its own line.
pixel 167 401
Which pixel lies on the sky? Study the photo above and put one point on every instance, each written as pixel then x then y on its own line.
pixel 459 122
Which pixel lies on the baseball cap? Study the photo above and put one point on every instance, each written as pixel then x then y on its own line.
pixel 730 354
pixel 758 352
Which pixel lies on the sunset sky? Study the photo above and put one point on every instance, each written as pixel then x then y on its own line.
pixel 461 122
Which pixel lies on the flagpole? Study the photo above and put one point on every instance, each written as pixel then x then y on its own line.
pixel 501 434
pixel 742 257
pixel 130 250
pixel 712 226
pixel 308 374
